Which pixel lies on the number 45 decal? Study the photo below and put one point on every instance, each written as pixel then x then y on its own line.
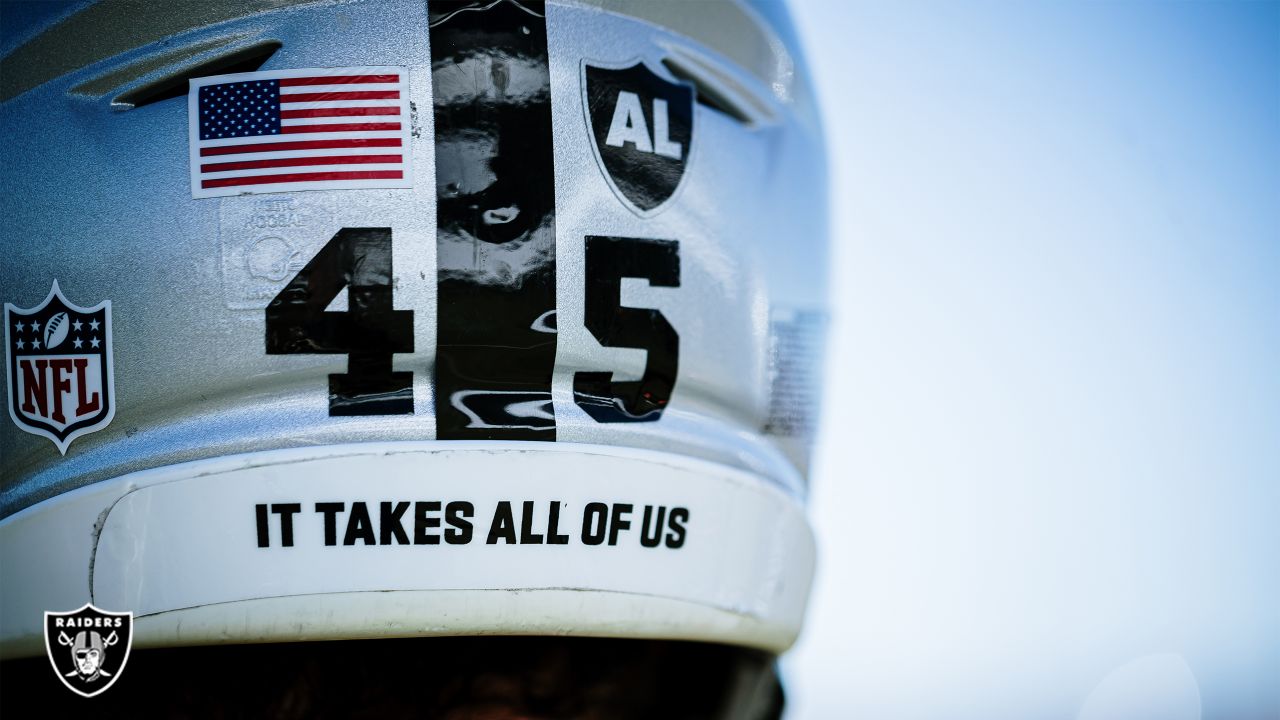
pixel 371 331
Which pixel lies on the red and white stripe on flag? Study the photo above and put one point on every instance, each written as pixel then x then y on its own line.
pixel 304 129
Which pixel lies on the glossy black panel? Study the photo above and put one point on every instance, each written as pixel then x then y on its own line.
pixel 609 259
pixel 369 332
pixel 495 231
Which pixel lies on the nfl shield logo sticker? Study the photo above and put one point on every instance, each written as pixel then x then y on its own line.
pixel 642 131
pixel 59 368
pixel 88 647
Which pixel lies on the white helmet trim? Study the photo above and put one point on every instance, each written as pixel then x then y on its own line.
pixel 183 548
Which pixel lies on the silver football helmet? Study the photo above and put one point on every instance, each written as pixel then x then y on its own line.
pixel 349 320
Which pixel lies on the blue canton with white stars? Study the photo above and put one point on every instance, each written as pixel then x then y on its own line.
pixel 240 109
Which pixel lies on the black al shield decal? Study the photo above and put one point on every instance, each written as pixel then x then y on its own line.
pixel 88 648
pixel 59 367
pixel 642 130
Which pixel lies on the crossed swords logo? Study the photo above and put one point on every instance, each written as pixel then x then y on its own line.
pixel 88 648
pixel 88 655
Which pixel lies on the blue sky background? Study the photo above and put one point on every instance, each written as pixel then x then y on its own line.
pixel 1049 479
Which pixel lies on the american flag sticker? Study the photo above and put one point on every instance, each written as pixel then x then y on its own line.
pixel 310 129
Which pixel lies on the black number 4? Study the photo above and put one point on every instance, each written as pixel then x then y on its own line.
pixel 369 332
pixel 609 259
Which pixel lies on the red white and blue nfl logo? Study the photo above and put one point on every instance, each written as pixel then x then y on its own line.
pixel 59 368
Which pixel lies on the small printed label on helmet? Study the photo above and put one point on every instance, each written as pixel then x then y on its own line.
pixel 795 375
pixel 306 129
pixel 265 242
pixel 59 368
pixel 795 366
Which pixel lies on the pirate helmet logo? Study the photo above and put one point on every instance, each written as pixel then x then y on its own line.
pixel 88 648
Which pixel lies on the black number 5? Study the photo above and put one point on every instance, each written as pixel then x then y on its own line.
pixel 609 259
pixel 368 333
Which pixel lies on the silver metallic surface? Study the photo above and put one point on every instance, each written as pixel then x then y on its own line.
pixel 727 27
pixel 100 200
pixel 110 27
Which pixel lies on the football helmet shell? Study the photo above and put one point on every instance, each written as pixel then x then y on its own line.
pixel 557 376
